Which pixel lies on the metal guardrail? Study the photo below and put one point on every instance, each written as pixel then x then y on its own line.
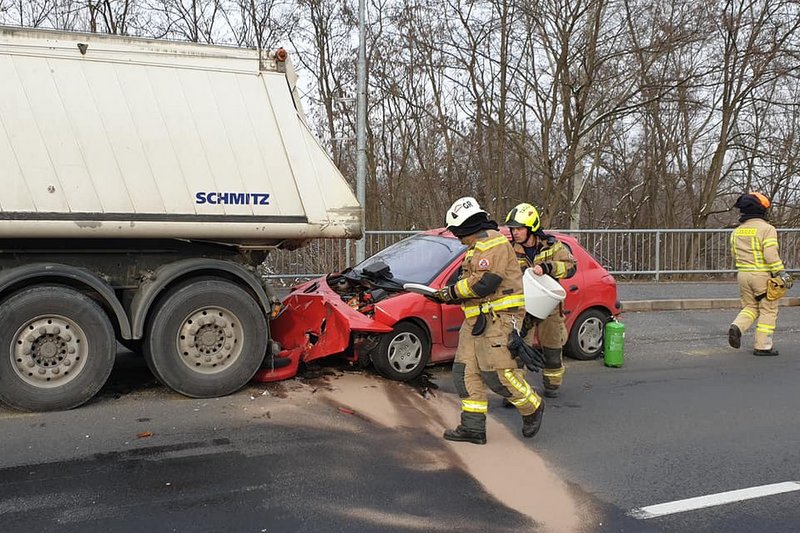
pixel 627 254
pixel 673 252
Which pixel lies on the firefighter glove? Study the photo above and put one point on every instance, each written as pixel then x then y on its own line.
pixel 446 294
pixel 527 323
pixel 776 288
pixel 530 356
pixel 787 279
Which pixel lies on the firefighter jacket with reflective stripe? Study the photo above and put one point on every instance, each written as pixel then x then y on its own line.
pixel 554 256
pixel 754 245
pixel 490 262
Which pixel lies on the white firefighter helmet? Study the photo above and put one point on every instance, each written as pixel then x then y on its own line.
pixel 461 210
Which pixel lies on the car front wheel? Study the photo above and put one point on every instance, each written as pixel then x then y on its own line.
pixel 403 353
pixel 585 340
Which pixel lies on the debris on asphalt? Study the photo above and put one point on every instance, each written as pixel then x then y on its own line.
pixel 424 385
pixel 264 392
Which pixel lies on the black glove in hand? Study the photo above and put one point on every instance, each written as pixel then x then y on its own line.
pixel 527 323
pixel 530 356
pixel 446 294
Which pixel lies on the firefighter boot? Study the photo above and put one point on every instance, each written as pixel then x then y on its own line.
pixel 551 392
pixel 531 424
pixel 734 336
pixel 771 351
pixel 462 434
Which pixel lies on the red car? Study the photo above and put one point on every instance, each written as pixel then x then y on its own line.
pixel 364 315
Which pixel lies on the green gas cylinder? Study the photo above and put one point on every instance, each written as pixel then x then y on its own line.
pixel 614 343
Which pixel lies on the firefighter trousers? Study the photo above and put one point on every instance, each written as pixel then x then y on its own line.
pixel 552 334
pixel 484 361
pixel 756 308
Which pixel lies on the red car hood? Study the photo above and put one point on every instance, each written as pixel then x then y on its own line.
pixel 316 322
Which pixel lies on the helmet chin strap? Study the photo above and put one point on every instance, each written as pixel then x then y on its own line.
pixel 531 239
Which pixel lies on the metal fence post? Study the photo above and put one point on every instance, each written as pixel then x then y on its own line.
pixel 361 127
pixel 658 253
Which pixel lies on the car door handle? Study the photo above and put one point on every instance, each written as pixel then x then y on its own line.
pixel 573 288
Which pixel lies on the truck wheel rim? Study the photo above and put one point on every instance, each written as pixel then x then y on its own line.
pixel 405 352
pixel 590 335
pixel 210 340
pixel 49 351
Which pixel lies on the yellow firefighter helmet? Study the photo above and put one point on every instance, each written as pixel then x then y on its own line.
pixel 524 215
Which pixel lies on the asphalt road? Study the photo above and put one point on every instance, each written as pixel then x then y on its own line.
pixel 269 458
pixel 686 416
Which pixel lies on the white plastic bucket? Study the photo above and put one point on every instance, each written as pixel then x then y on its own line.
pixel 542 294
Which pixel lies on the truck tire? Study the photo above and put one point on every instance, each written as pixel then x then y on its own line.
pixel 402 354
pixel 585 341
pixel 57 349
pixel 206 338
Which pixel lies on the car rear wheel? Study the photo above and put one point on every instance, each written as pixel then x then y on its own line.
pixel 402 354
pixel 585 340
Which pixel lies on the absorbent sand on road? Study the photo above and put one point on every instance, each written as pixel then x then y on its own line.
pixel 507 467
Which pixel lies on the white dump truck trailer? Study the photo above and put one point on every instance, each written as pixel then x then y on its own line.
pixel 143 183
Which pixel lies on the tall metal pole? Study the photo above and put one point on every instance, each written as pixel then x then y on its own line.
pixel 361 127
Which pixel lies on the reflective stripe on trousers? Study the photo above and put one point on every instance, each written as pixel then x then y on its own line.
pixel 474 406
pixel 528 395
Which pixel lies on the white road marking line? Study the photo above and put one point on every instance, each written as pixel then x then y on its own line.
pixel 711 500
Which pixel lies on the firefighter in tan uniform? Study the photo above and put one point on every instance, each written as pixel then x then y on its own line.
pixel 754 245
pixel 490 292
pixel 545 255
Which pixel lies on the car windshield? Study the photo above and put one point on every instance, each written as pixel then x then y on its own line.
pixel 418 258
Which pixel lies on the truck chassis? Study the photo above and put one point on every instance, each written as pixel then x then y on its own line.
pixel 196 311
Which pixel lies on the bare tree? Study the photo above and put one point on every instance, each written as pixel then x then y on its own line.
pixel 751 40
pixel 111 16
pixel 191 20
pixel 260 24
pixel 578 57
pixel 624 113
pixel 32 13
pixel 668 39
pixel 329 60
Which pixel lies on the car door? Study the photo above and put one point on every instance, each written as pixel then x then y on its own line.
pixel 452 315
pixel 574 286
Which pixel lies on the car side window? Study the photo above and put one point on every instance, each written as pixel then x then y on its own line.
pixel 454 276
